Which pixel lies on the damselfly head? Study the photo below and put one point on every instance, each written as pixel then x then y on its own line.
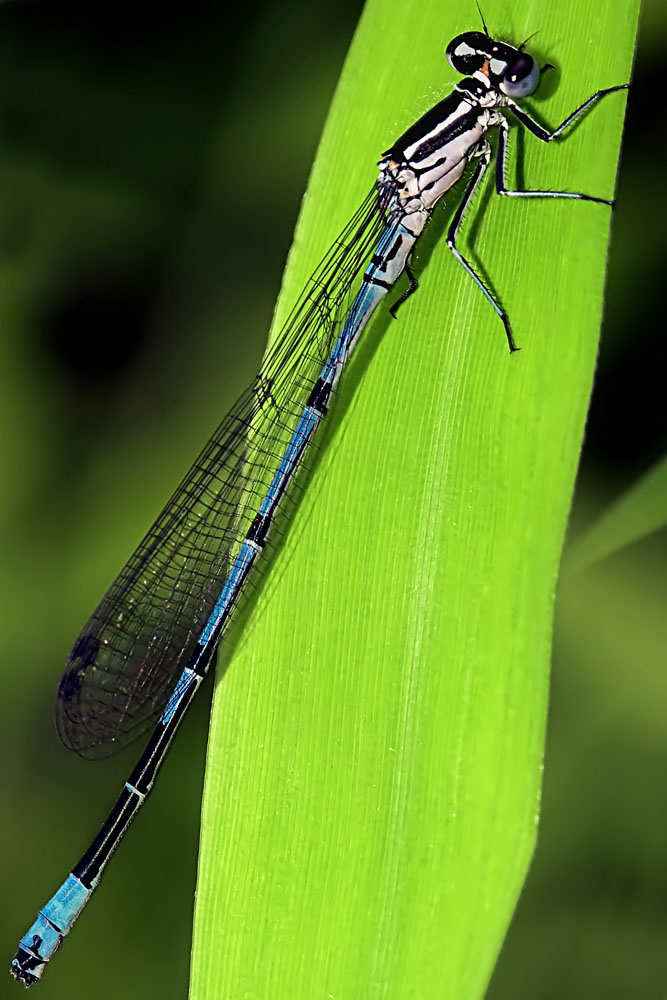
pixel 510 69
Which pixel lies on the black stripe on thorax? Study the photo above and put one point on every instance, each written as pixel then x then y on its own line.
pixel 420 130
pixel 466 123
pixel 433 165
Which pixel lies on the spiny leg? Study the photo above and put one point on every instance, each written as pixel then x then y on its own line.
pixel 547 135
pixel 410 290
pixel 453 232
pixel 501 186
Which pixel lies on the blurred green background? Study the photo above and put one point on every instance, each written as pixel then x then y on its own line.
pixel 141 249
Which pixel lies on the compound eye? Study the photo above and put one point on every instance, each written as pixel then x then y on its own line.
pixel 522 77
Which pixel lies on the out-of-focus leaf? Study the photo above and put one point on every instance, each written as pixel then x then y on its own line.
pixel 641 510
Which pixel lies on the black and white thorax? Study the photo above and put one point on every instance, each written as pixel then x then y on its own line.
pixel 430 157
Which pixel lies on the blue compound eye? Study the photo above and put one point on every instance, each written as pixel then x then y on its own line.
pixel 522 77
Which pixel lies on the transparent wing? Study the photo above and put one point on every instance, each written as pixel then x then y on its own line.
pixel 123 666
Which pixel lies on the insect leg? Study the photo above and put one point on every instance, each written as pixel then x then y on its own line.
pixel 453 231
pixel 501 187
pixel 547 135
pixel 410 290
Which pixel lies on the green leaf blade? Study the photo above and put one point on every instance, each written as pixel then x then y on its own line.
pixel 374 760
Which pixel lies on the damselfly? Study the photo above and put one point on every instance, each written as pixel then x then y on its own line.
pixel 147 647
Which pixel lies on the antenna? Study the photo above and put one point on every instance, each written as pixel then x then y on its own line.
pixel 486 30
pixel 526 40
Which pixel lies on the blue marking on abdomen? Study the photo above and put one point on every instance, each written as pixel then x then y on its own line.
pixel 54 920
pixel 185 681
pixel 308 420
pixel 367 297
pixel 244 558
